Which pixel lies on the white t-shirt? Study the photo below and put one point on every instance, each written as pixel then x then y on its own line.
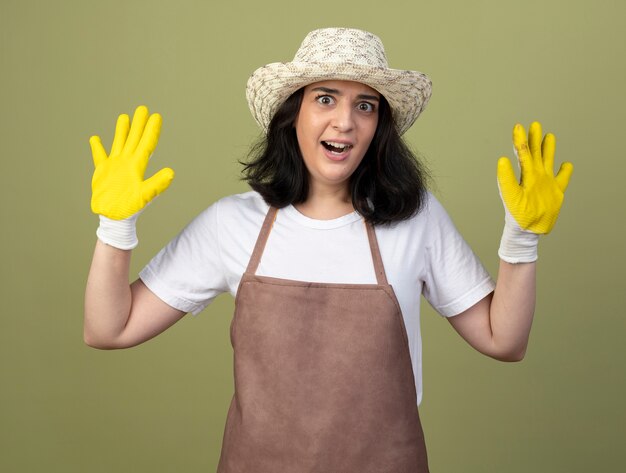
pixel 423 255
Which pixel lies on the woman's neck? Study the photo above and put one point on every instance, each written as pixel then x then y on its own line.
pixel 326 204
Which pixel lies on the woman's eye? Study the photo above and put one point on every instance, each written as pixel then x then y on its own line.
pixel 366 107
pixel 325 99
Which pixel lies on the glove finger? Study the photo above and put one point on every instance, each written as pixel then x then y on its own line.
pixel 156 184
pixel 564 174
pixel 121 133
pixel 97 150
pixel 507 182
pixel 136 128
pixel 534 142
pixel 547 151
pixel 150 138
pixel 521 150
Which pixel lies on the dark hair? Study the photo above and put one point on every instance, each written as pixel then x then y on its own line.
pixel 388 185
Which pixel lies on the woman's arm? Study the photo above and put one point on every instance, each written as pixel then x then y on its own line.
pixel 119 315
pixel 499 325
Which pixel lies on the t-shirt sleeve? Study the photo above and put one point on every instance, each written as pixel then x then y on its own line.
pixel 455 278
pixel 188 273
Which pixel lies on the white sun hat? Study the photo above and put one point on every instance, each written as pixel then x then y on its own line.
pixel 339 54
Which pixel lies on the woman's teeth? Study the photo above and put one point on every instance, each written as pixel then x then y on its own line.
pixel 336 147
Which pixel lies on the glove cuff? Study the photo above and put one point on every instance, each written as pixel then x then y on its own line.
pixel 120 234
pixel 517 245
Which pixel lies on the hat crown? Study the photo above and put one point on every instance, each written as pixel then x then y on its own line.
pixel 342 46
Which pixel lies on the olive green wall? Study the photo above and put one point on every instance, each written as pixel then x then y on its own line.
pixel 68 68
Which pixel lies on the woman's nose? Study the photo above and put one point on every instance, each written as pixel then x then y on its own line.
pixel 343 119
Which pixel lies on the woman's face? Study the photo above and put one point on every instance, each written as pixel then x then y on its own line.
pixel 335 126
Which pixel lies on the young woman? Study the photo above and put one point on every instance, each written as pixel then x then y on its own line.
pixel 327 258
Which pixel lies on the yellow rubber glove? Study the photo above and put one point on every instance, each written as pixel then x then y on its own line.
pixel 118 187
pixel 532 205
pixel 119 191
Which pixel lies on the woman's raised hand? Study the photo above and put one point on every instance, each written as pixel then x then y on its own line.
pixel 118 186
pixel 536 200
pixel 531 205
pixel 119 191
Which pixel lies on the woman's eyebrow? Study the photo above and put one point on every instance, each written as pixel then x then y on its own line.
pixel 337 92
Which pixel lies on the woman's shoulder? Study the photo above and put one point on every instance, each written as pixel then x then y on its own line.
pixel 244 198
pixel 418 230
pixel 236 209
pixel 247 208
pixel 430 209
pixel 246 202
pixel 432 206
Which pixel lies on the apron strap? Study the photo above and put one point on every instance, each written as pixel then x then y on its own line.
pixel 253 264
pixel 379 269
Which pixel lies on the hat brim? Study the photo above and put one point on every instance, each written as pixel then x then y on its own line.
pixel 268 87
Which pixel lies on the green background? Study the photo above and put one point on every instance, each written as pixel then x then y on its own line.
pixel 68 68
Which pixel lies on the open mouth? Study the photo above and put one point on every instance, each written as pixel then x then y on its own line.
pixel 336 148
